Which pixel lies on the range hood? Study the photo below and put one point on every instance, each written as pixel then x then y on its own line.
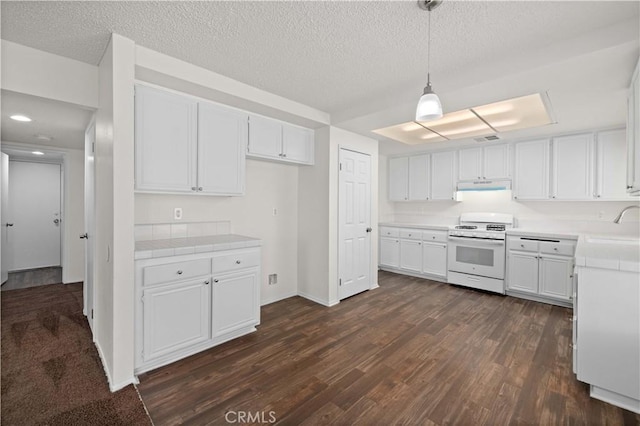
pixel 485 185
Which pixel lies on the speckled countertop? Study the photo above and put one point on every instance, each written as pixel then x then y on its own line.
pixel 189 245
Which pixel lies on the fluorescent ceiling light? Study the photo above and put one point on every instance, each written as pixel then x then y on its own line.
pixel 484 120
pixel 20 117
pixel 44 137
pixel 37 153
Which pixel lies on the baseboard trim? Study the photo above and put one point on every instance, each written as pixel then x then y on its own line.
pixel 278 298
pixel 114 387
pixel 318 300
pixel 374 286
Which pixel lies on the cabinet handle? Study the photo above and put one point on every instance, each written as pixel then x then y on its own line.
pixel 206 282
pixel 555 248
pixel 193 188
pixel 179 272
pixel 419 244
pixel 522 245
pixel 200 188
pixel 238 262
pixel 216 280
pixel 433 238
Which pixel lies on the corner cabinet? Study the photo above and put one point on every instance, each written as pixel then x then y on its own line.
pixel 186 304
pixel 278 141
pixel 183 145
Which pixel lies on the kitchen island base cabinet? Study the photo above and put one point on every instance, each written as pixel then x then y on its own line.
pixel 190 303
pixel 608 335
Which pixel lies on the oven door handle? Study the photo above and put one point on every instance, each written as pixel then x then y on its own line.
pixel 476 241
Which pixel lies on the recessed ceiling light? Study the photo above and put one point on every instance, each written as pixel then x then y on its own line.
pixel 37 153
pixel 43 137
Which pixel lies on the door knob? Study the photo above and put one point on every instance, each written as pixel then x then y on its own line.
pixel 369 229
pixel 84 236
pixel 8 224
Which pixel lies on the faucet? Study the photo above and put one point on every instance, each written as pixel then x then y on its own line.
pixel 621 214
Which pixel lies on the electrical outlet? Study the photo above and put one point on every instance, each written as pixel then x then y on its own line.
pixel 273 279
pixel 275 211
pixel 177 213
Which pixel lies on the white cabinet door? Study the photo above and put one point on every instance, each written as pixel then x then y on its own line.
pixel 399 179
pixel 556 277
pixel 265 137
pixel 419 177
pixel 443 175
pixel 572 165
pixel 222 140
pixel 176 316
pixel 470 164
pixel 297 144
pixel 434 259
pixel 531 179
pixel 523 272
pixel 165 141
pixel 611 154
pixel 495 163
pixel 411 255
pixel 389 252
pixel 234 301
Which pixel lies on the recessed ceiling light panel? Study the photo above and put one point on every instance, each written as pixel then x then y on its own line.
pixel 44 138
pixel 37 153
pixel 20 117
pixel 410 133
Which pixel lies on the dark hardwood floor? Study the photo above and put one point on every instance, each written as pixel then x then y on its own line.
pixel 411 352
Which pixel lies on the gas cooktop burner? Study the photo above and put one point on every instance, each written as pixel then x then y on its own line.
pixel 466 227
pixel 495 227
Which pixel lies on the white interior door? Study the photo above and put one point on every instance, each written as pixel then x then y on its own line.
pixel 34 199
pixel 89 221
pixel 5 222
pixel 354 223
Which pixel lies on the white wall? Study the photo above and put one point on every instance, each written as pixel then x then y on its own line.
pixel 385 207
pixel 268 186
pixel 114 201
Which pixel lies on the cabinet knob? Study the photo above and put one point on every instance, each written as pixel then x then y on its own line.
pixel 419 244
pixel 522 245
pixel 433 237
pixel 284 155
pixel 206 282
pixel 193 188
pixel 238 262
pixel 555 248
pixel 200 188
pixel 216 280
pixel 179 272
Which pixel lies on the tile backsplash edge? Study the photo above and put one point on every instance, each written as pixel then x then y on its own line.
pixel 162 231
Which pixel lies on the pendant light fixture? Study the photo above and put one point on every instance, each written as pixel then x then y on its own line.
pixel 429 106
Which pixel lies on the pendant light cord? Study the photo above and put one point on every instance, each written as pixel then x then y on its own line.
pixel 429 50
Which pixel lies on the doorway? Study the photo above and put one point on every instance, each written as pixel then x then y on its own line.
pixel 35 215
pixel 354 223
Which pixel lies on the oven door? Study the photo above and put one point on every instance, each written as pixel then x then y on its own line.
pixel 476 256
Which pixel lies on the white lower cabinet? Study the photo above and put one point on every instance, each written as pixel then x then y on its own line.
pixel 415 252
pixel 190 303
pixel 176 316
pixel 541 269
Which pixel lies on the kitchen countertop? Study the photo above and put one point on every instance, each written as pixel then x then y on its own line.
pixel 608 252
pixel 178 246
pixel 546 233
pixel 414 225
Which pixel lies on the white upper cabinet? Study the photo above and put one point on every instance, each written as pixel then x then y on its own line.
pixel 419 167
pixel 443 175
pixel 633 133
pixel 470 164
pixel 165 141
pixel 572 167
pixel 222 136
pixel 531 176
pixel 189 146
pixel 399 179
pixel 495 162
pixel 489 162
pixel 274 140
pixel 611 176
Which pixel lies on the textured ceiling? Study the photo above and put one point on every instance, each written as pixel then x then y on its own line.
pixel 347 58
pixel 331 55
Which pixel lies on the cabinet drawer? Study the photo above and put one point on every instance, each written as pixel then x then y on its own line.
pixel 437 236
pixel 564 249
pixel 389 232
pixel 411 234
pixel 236 260
pixel 522 245
pixel 177 271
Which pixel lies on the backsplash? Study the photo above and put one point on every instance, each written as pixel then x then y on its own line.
pixel 163 231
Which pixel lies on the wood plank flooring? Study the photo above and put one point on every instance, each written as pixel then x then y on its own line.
pixel 411 352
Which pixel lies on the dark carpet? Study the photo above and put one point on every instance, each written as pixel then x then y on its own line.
pixel 51 371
